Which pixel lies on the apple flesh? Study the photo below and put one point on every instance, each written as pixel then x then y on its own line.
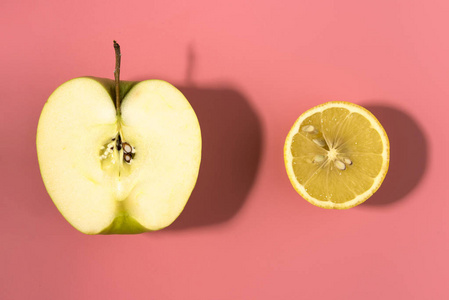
pixel 118 173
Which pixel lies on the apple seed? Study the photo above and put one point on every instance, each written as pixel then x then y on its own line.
pixel 119 142
pixel 127 148
pixel 127 157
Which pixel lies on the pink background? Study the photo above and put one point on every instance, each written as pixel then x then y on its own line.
pixel 249 68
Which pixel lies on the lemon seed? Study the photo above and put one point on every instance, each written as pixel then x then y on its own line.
pixel 318 158
pixel 319 142
pixel 340 165
pixel 309 129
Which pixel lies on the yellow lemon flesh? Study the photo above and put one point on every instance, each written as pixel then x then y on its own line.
pixel 336 155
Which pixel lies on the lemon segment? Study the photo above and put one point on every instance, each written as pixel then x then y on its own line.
pixel 336 155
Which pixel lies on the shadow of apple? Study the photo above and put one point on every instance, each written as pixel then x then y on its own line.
pixel 408 155
pixel 232 141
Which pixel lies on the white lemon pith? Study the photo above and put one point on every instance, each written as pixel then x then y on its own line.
pixel 101 186
pixel 336 155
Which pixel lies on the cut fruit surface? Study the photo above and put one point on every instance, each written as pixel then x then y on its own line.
pixel 336 155
pixel 110 173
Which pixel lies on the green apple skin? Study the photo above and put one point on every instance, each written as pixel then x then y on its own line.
pixel 138 209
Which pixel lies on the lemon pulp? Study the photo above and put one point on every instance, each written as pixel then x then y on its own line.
pixel 336 155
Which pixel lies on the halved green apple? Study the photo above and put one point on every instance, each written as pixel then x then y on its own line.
pixel 126 172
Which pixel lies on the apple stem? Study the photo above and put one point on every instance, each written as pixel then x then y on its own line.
pixel 117 76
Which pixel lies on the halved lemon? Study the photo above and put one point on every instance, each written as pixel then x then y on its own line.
pixel 337 155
